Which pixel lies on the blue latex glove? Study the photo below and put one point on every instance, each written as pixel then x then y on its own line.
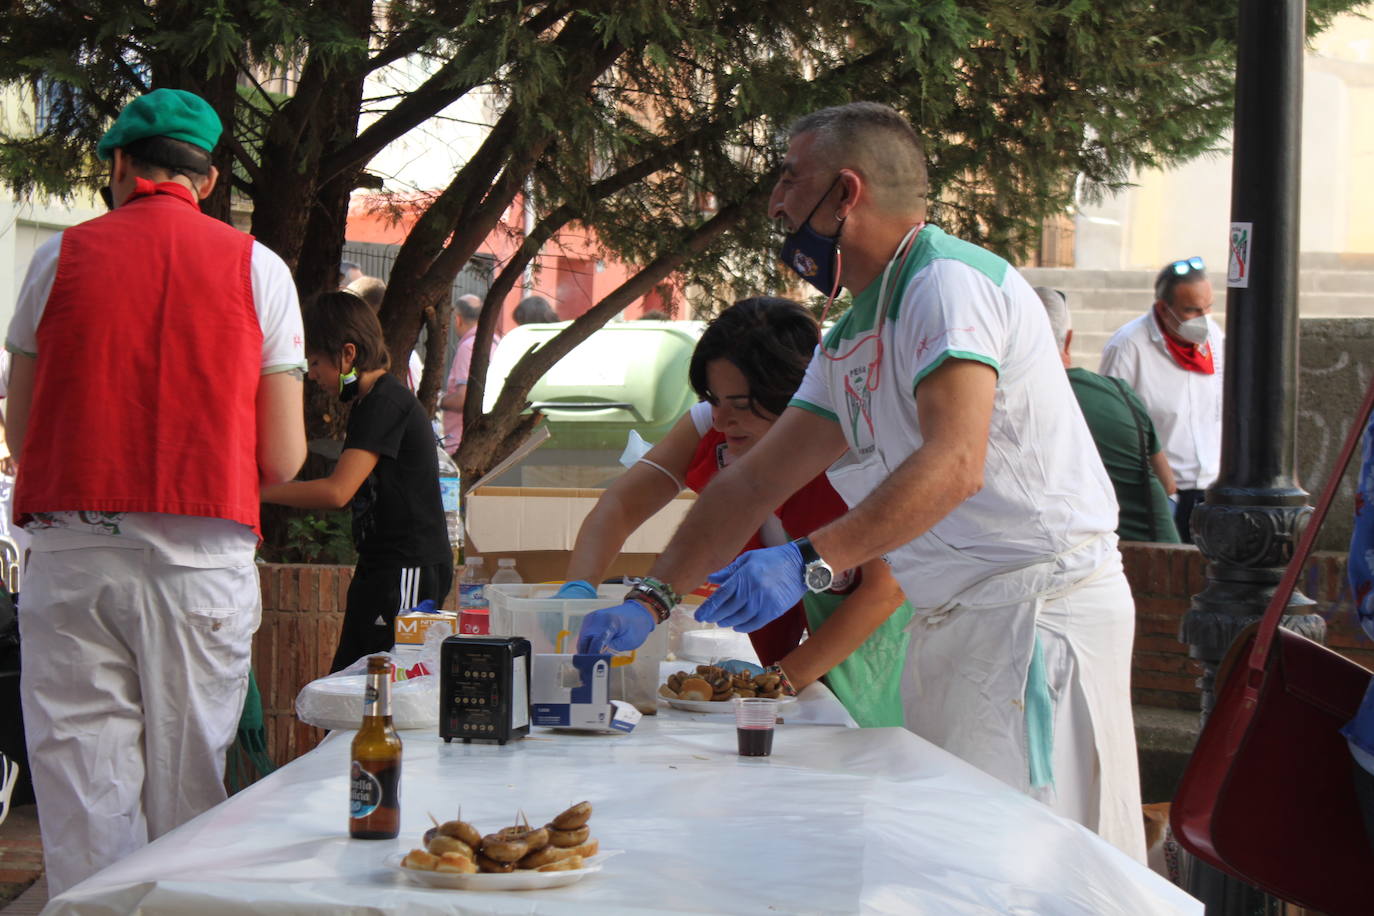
pixel 759 587
pixel 622 628
pixel 739 665
pixel 576 588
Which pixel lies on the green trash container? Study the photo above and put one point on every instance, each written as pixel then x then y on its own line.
pixel 629 375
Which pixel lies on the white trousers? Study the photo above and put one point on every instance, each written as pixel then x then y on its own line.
pixel 966 685
pixel 134 675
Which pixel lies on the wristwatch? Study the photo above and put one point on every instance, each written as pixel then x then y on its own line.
pixel 816 573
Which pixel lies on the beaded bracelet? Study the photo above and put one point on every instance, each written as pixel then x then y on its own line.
pixel 658 594
pixel 664 590
pixel 653 602
pixel 784 683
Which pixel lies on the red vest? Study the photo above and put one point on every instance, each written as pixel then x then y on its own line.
pixel 149 356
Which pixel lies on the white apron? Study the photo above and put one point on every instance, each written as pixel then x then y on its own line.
pixel 993 589
pixel 965 682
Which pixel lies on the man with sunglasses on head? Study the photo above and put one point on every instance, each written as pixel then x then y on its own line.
pixel 156 383
pixel 940 411
pixel 1173 357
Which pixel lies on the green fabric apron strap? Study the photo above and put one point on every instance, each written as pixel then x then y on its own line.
pixel 1039 721
pixel 248 754
pixel 869 682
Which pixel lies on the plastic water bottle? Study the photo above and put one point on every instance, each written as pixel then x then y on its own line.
pixel 450 484
pixel 473 612
pixel 506 572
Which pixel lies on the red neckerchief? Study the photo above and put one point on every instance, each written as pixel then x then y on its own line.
pixel 1189 356
pixel 145 188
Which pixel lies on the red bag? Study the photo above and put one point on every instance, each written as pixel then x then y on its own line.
pixel 1268 796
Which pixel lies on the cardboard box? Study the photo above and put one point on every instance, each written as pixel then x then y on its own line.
pixel 545 518
pixel 412 627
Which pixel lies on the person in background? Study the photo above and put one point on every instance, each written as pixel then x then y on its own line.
pixel 1173 357
pixel 7 471
pixel 388 473
pixel 466 311
pixel 969 469
pixel 148 402
pixel 372 290
pixel 747 364
pixel 1359 732
pixel 534 310
pixel 1124 435
pixel 348 273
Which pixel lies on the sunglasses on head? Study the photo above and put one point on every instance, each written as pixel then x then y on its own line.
pixel 1188 265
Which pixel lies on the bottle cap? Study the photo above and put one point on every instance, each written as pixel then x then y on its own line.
pixel 505 561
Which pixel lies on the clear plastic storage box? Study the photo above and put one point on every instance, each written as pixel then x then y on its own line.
pixel 551 625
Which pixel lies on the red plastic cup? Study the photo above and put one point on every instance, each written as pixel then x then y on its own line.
pixel 474 622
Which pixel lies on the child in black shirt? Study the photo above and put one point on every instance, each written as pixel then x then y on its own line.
pixel 388 472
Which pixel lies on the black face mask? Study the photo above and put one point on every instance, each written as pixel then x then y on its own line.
pixel 348 385
pixel 812 255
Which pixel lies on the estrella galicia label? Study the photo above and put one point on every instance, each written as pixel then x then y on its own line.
pixel 364 792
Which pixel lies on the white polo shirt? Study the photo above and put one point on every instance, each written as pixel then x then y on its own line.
pixel 1045 491
pixel 1185 406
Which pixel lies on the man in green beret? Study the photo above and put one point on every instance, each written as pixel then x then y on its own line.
pixel 156 384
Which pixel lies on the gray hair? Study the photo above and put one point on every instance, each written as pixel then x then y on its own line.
pixel 877 142
pixel 468 307
pixel 1168 279
pixel 369 289
pixel 1057 308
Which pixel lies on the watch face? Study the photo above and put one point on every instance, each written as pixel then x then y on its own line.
pixel 818 577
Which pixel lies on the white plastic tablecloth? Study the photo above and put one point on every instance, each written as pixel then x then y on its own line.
pixel 837 820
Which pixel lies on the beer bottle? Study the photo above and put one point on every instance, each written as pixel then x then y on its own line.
pixel 374 785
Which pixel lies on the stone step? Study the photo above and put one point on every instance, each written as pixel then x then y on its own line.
pixel 1164 742
pixel 1124 305
pixel 1100 282
pixel 1330 260
pixel 1067 278
pixel 1359 282
pixel 1086 348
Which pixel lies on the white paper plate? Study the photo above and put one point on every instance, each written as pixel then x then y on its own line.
pixel 511 881
pixel 722 707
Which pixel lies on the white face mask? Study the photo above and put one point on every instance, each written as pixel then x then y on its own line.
pixel 1194 330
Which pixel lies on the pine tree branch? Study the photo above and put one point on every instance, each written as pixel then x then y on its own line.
pixel 431 97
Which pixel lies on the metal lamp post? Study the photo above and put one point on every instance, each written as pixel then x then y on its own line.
pixel 1253 513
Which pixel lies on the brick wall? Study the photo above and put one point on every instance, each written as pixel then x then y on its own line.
pixel 302 612
pixel 1164 577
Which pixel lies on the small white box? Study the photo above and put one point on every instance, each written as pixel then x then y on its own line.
pixel 570 691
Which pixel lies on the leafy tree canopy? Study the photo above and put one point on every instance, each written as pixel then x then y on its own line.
pixel 655 122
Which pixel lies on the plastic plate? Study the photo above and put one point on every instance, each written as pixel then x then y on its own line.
pixel 511 881
pixel 722 707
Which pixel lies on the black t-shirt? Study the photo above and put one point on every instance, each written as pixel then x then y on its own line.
pixel 398 515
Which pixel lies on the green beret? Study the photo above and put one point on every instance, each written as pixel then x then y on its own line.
pixel 173 113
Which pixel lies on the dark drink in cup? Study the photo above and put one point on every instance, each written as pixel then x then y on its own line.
pixel 754 721
pixel 755 742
